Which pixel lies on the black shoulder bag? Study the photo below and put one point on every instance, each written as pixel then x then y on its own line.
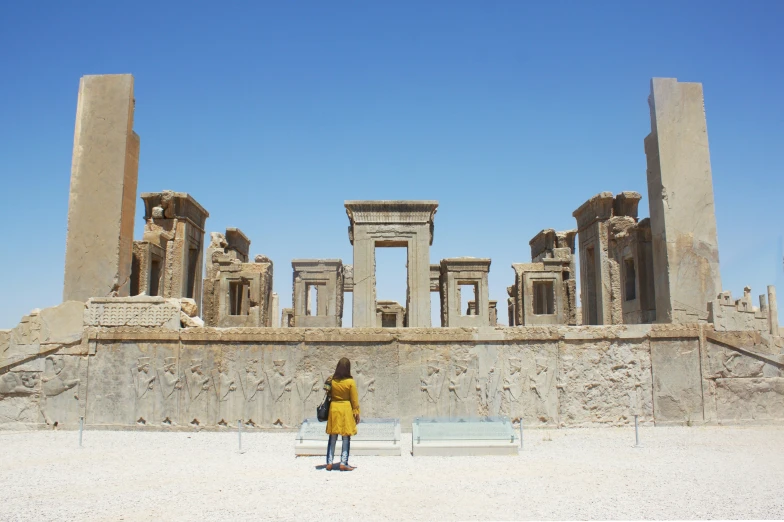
pixel 322 411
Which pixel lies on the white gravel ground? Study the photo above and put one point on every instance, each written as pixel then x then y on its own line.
pixel 680 473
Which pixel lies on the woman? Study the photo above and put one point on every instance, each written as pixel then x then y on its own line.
pixel 343 413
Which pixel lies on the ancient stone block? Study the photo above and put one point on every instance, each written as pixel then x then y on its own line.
pixel 141 311
pixel 391 224
pixel 727 314
pixel 236 293
pixel 469 273
pixel 317 292
pixel 756 399
pixel 680 197
pixel 611 250
pixel 175 222
pixel 102 200
pixel 604 382
pixel 390 314
pixel 677 384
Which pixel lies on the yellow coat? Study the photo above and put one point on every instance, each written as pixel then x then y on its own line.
pixel 345 404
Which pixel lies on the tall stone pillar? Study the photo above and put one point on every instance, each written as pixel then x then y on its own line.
pixel 364 297
pixel 418 300
pixel 102 201
pixel 680 196
pixel 773 311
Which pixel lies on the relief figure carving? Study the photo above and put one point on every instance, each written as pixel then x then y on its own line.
pixel 53 383
pixel 226 383
pixel 18 383
pixel 144 382
pixel 514 384
pixel 280 390
pixel 460 390
pixel 307 385
pixel 490 393
pixel 541 384
pixel 170 384
pixel 366 387
pixel 253 390
pixel 199 384
pixel 431 385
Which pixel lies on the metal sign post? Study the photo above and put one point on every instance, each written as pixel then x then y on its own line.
pixel 636 434
pixel 521 433
pixel 81 428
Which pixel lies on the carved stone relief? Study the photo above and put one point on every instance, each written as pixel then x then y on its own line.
pixel 58 378
pixel 280 385
pixel 514 389
pixel 432 387
pixel 144 383
pixel 254 390
pixel 201 405
pixel 171 383
pixel 227 386
pixel 463 388
pixel 366 387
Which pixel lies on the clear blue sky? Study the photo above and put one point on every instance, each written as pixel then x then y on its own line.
pixel 511 114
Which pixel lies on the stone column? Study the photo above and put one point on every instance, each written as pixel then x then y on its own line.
pixel 418 305
pixel 364 304
pixel 773 311
pixel 102 201
pixel 275 310
pixel 680 196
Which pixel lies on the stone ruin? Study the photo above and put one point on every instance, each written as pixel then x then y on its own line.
pixel 143 340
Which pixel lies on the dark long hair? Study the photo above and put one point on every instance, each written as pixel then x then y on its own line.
pixel 343 369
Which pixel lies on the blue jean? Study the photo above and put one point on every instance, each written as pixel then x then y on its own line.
pixel 346 446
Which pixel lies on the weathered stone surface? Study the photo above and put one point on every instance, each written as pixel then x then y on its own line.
pixel 175 221
pixel 190 322
pixel 189 306
pixel 62 324
pixel 236 293
pixel 469 272
pixel 680 198
pixel 391 224
pixel 677 384
pixel 196 378
pixel 142 311
pixel 755 399
pixel 615 261
pixel 604 382
pixel 102 200
pixel 326 277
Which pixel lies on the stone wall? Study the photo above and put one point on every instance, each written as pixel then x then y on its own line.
pixel 160 377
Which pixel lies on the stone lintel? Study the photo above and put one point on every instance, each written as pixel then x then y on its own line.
pixel 238 241
pixel 391 212
pixel 625 204
pixel 565 239
pixel 179 205
pixel 466 264
pixel 316 265
pixel 542 242
pixel 599 207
